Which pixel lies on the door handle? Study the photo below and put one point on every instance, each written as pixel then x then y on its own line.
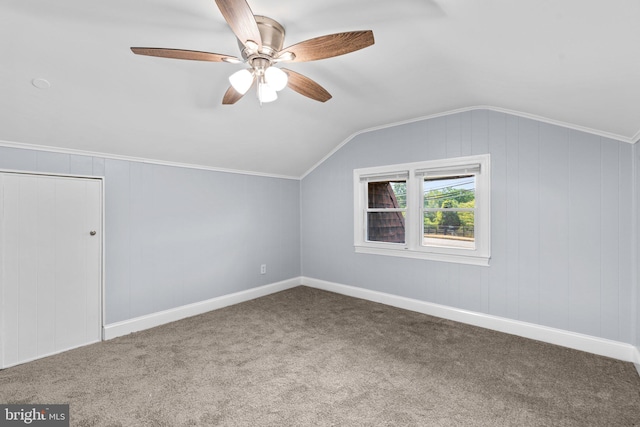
pixel 92 232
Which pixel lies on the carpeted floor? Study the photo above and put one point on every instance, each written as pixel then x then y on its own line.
pixel 306 357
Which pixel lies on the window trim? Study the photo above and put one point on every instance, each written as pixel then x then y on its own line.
pixel 413 247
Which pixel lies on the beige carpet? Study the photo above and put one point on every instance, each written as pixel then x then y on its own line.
pixel 306 357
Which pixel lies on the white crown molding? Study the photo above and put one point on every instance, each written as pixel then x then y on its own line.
pixel 541 119
pixel 27 146
pixel 604 134
pixel 71 151
pixel 600 346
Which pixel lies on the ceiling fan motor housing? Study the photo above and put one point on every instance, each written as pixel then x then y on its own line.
pixel 272 34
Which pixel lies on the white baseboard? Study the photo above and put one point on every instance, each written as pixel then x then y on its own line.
pixel 600 346
pixel 40 356
pixel 614 349
pixel 125 327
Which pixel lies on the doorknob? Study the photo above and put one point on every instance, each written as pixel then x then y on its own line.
pixel 93 233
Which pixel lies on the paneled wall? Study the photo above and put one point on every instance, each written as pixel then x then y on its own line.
pixel 176 235
pixel 562 223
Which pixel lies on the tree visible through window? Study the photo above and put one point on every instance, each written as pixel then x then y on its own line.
pixel 449 211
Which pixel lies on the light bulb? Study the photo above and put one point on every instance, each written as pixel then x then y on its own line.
pixel 276 78
pixel 266 93
pixel 241 81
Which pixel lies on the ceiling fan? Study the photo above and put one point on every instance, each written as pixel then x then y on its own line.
pixel 260 40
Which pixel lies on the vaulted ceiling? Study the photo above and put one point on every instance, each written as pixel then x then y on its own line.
pixel 573 62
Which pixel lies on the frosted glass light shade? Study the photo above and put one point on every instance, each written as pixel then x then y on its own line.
pixel 241 81
pixel 266 93
pixel 276 78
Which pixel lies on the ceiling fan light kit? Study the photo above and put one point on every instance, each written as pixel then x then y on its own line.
pixel 266 93
pixel 276 78
pixel 260 40
pixel 269 79
pixel 241 80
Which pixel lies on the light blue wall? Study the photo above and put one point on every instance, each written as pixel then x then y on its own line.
pixel 176 236
pixel 561 223
pixel 562 226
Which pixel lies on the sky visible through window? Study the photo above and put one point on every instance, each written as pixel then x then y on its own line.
pixel 463 183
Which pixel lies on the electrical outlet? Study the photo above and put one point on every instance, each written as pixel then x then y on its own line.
pixel 263 269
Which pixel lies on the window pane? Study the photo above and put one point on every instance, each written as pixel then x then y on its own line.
pixel 385 227
pixel 450 191
pixel 387 194
pixel 449 218
pixel 457 236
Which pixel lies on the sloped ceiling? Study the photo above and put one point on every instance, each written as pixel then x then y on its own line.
pixel 570 61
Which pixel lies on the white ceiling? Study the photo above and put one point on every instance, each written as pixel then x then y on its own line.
pixel 575 62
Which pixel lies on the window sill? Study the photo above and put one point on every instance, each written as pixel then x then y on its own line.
pixel 407 253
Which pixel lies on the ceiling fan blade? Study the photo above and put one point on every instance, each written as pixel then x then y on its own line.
pixel 184 54
pixel 329 46
pixel 231 96
pixel 240 18
pixel 307 87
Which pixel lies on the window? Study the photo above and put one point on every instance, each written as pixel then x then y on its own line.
pixel 437 210
pixel 386 208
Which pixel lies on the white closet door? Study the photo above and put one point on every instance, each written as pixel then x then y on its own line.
pixel 51 265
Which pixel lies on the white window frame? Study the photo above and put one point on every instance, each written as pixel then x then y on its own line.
pixel 480 165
